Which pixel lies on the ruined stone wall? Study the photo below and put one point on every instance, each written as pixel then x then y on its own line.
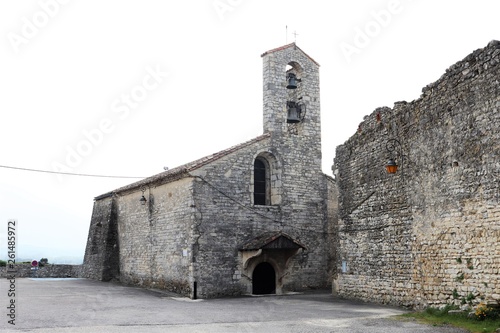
pixel 429 234
pixel 155 238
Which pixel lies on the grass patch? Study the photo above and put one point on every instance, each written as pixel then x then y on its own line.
pixel 441 317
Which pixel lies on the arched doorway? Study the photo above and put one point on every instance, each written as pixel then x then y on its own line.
pixel 264 279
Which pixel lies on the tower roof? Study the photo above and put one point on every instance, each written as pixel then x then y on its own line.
pixel 284 47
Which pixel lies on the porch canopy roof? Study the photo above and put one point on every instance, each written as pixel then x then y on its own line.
pixel 272 240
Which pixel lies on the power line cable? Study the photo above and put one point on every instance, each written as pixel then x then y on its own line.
pixel 66 173
pixel 282 224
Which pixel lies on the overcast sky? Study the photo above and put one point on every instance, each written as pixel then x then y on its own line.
pixel 125 88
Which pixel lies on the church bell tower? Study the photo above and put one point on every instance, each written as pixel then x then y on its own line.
pixel 291 110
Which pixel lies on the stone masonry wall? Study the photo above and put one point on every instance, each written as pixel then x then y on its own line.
pixel 101 260
pixel 155 238
pixel 47 271
pixel 429 234
pixel 332 241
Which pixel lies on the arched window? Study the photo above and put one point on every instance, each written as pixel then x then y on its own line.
pixel 266 180
pixel 261 182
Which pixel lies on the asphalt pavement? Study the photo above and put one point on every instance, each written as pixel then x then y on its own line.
pixel 81 306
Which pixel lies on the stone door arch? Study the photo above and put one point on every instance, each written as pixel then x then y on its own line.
pixel 265 261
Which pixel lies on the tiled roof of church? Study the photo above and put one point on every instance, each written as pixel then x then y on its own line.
pixel 287 46
pixel 181 171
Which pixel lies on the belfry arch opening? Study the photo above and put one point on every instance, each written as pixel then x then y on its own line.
pixel 264 279
pixel 294 96
pixel 294 68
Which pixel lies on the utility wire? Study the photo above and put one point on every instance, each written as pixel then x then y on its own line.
pixel 64 173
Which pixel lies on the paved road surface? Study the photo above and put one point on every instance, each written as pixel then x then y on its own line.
pixel 81 306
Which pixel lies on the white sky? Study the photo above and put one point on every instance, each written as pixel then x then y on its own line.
pixel 67 67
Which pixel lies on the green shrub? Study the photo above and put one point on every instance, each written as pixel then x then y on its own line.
pixel 470 297
pixel 42 262
pixel 439 312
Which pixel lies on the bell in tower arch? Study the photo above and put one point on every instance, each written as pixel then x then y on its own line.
pixel 292 81
pixel 293 113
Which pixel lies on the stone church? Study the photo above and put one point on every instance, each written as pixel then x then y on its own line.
pixel 262 218
pixel 255 218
